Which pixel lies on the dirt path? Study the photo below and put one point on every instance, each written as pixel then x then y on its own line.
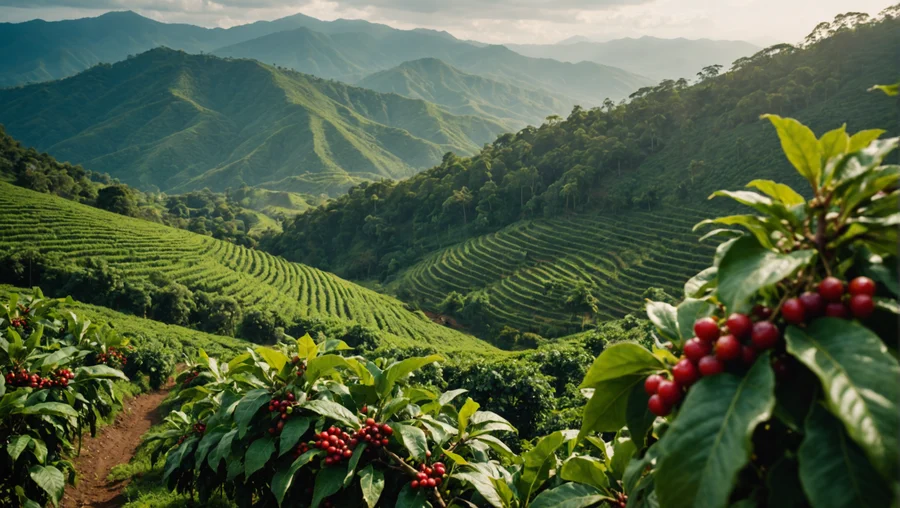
pixel 114 445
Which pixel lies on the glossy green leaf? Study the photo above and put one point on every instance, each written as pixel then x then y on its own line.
pixel 456 458
pixel 755 225
pixel 334 411
pixel 248 407
pixel 50 479
pixel 638 417
pixel 537 464
pixel 853 363
pixel 607 408
pixel 664 317
pixel 834 471
pixel 483 485
pixel 39 450
pixel 413 438
pixel 328 482
pixel 223 449
pixel 403 368
pixel 99 371
pixel 258 454
pixel 282 479
pixel 710 441
pixel 17 445
pixel 623 450
pixel 585 469
pixel 448 396
pixel 322 365
pixel 351 465
pixel 748 267
pixel 293 429
pixel 862 139
pixel 858 163
pixel 498 446
pixel 276 359
pixel 568 495
pixel 622 359
pixel 48 408
pixel 834 143
pixel 207 443
pixel 466 412
pixel 371 481
pixel 637 467
pixel 697 285
pixel 306 347
pixel 800 146
pixel 778 191
pixel 889 90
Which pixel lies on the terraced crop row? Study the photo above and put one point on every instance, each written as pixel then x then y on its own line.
pixel 622 255
pixel 256 279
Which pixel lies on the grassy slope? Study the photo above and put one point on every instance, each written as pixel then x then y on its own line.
pixel 434 81
pixel 180 122
pixel 140 248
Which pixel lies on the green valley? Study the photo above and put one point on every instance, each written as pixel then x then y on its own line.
pixel 138 251
pixel 434 81
pixel 175 122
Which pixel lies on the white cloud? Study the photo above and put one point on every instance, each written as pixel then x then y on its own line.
pixel 497 21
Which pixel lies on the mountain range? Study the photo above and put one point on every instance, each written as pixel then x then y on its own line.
pixel 648 56
pixel 173 121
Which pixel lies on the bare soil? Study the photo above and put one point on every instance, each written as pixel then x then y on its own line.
pixel 115 444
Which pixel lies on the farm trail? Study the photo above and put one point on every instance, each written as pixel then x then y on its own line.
pixel 115 444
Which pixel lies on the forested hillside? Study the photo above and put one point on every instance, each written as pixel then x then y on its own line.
pixel 183 278
pixel 670 145
pixel 171 121
pixel 648 56
pixel 434 81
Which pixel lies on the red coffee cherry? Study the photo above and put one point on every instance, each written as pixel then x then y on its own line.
pixel 831 289
pixel 762 312
pixel 793 311
pixel 669 392
pixel 739 325
pixel 862 286
pixel 837 310
pixel 813 304
pixel 695 349
pixel 706 329
pixel 765 335
pixel 710 366
pixel 728 347
pixel 651 384
pixel 684 373
pixel 657 406
pixel 862 306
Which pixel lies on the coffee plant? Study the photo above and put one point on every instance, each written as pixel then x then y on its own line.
pixel 775 379
pixel 51 390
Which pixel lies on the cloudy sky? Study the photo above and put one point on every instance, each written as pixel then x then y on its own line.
pixel 496 21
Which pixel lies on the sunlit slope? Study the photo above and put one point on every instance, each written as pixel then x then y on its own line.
pixel 622 255
pixel 138 248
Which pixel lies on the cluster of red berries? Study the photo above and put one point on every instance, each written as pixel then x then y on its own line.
pixel 301 449
pixel 429 476
pixel 337 444
pixel 25 379
pixel 18 322
pixel 301 365
pixel 200 428
pixel 709 352
pixel 190 377
pixel 621 500
pixel 373 433
pixel 284 407
pixel 828 300
pixel 111 356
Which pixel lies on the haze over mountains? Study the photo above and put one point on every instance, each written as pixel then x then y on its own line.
pixel 648 56
pixel 169 120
